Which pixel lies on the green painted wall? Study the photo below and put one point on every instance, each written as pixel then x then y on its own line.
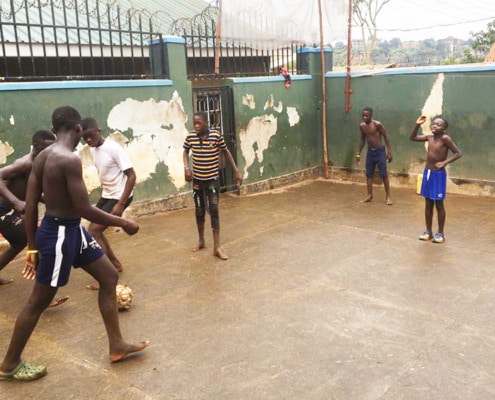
pixel 464 98
pixel 290 148
pixel 278 130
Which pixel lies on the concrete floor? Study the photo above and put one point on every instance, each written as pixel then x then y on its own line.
pixel 323 298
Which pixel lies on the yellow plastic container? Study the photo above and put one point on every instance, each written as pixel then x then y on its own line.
pixel 419 182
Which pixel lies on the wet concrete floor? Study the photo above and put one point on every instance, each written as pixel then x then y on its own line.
pixel 323 298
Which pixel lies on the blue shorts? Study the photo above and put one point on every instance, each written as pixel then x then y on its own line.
pixel 376 156
pixel 63 243
pixel 434 185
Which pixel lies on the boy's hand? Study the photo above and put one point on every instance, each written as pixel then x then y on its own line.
pixel 421 120
pixel 358 158
pixel 131 227
pixel 31 262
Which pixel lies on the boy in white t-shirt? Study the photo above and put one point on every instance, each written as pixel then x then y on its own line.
pixel 117 177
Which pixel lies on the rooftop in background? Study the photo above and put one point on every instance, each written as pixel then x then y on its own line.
pixel 163 14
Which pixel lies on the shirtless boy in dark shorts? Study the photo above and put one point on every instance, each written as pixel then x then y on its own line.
pixel 13 185
pixel 373 133
pixel 62 242
pixel 434 184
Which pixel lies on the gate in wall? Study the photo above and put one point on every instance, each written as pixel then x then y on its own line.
pixel 218 105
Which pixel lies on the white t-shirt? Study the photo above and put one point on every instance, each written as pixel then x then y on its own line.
pixel 111 161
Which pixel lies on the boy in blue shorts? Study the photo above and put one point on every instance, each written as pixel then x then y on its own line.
pixel 62 242
pixel 434 185
pixel 374 134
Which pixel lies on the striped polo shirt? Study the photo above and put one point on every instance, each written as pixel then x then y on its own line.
pixel 205 154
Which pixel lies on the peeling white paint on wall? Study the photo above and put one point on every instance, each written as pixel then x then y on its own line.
pixel 12 120
pixel 5 150
pixel 248 100
pixel 269 103
pixel 158 133
pixel 255 138
pixel 293 116
pixel 433 104
pixel 257 134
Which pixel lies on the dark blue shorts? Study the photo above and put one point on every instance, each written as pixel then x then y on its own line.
pixel 434 184
pixel 376 156
pixel 63 243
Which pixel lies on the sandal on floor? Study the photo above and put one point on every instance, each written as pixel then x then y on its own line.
pixel 427 235
pixel 24 372
pixel 438 238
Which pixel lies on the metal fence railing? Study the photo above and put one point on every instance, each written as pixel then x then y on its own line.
pixel 235 59
pixel 77 39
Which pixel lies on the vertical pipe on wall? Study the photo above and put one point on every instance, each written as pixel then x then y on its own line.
pixel 348 89
pixel 323 97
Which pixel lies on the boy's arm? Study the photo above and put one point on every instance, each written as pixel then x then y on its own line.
pixel 456 153
pixel 230 160
pixel 187 169
pixel 118 208
pixel 413 135
pixel 33 196
pixel 17 168
pixel 383 132
pixel 80 200
pixel 361 145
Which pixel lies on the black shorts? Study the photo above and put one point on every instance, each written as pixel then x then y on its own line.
pixel 107 204
pixel 12 227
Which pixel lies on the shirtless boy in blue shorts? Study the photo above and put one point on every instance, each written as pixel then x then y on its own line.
pixel 434 185
pixel 373 133
pixel 60 242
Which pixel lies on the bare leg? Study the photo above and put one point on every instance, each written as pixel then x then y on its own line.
pixel 201 237
pixel 107 276
pixel 111 255
pixel 441 215
pixel 369 185
pixel 40 298
pixel 429 213
pixel 388 199
pixel 96 231
pixel 6 257
pixel 217 251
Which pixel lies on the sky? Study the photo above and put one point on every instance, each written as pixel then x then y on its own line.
pixel 437 19
pixel 403 19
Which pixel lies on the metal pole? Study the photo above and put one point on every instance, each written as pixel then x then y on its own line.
pixel 348 89
pixel 218 37
pixel 323 97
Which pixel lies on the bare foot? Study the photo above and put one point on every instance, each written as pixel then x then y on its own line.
pixel 201 245
pixel 220 254
pixel 389 201
pixel 93 286
pixel 5 281
pixel 129 350
pixel 58 301
pixel 367 199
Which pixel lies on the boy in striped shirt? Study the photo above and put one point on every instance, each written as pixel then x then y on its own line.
pixel 205 146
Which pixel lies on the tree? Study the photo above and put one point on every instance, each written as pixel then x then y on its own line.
pixel 482 41
pixel 365 13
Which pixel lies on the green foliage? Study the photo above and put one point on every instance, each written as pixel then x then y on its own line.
pixel 482 41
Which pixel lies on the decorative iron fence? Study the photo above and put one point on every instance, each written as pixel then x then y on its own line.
pixel 76 39
pixel 235 59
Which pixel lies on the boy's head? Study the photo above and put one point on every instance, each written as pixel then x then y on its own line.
pixel 367 114
pixel 65 118
pixel 41 140
pixel 92 132
pixel 200 121
pixel 439 125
